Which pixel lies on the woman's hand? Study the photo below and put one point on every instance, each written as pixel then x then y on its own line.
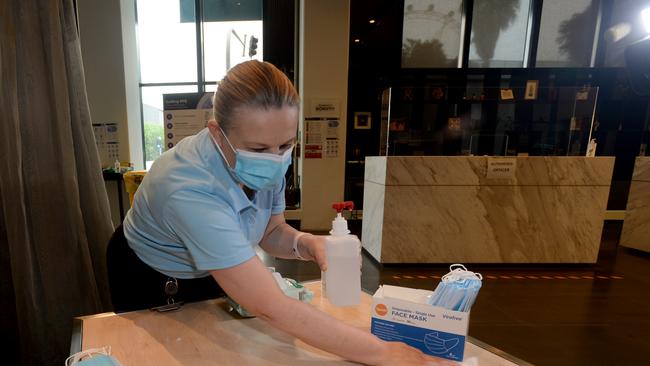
pixel 312 247
pixel 398 353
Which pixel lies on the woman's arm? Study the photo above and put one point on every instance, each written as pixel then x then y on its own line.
pixel 278 237
pixel 278 242
pixel 253 287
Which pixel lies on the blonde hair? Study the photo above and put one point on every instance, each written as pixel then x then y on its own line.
pixel 252 84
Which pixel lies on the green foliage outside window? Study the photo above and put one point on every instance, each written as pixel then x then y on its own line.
pixel 153 140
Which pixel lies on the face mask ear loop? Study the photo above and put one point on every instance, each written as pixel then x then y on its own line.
pixel 227 140
pixel 74 359
pixel 223 156
pixel 457 266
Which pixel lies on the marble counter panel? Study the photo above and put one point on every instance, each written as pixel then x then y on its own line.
pixel 636 227
pixel 375 169
pixel 493 224
pixel 641 169
pixel 445 210
pixel 471 170
pixel 373 212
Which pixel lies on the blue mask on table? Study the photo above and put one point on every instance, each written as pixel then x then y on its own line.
pixel 93 357
pixel 257 171
pixel 457 290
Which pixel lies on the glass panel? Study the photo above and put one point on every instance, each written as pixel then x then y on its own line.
pixel 228 44
pixel 626 28
pixel 211 87
pixel 431 35
pixel 566 33
pixel 152 114
pixel 167 46
pixel 436 120
pixel 228 10
pixel 231 41
pixel 498 33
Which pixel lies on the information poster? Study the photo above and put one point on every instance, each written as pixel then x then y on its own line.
pixel 322 138
pixel 185 114
pixel 107 140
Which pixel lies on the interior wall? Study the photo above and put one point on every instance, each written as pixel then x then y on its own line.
pixel 108 47
pixel 324 50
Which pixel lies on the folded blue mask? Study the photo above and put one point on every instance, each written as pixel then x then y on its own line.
pixel 93 357
pixel 457 290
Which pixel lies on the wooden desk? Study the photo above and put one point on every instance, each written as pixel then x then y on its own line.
pixel 206 333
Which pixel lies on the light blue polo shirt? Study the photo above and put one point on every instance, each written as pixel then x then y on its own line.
pixel 190 216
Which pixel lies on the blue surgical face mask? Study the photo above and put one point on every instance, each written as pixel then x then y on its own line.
pixel 457 290
pixel 93 357
pixel 257 171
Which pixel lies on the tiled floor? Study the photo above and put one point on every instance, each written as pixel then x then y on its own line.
pixel 547 315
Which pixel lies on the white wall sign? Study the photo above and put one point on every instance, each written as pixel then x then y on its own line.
pixel 501 168
pixel 325 108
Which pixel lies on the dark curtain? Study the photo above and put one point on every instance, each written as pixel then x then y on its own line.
pixel 54 213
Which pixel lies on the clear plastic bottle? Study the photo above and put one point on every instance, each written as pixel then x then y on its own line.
pixel 342 280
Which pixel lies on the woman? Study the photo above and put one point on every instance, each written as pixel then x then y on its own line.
pixel 207 202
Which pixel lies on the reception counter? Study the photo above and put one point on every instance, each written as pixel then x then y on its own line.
pixel 467 209
pixel 636 227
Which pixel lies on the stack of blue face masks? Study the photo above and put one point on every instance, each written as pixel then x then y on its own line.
pixel 458 289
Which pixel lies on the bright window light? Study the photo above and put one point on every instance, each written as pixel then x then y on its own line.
pixel 645 17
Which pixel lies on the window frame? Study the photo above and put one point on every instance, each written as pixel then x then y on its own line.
pixel 201 83
pixel 533 29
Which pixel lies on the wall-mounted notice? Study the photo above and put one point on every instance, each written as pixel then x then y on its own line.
pixel 185 115
pixel 501 168
pixel 108 145
pixel 325 108
pixel 321 138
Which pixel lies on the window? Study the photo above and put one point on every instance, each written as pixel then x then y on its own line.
pixel 499 33
pixel 166 46
pixel 626 27
pixel 177 57
pixel 566 35
pixel 431 34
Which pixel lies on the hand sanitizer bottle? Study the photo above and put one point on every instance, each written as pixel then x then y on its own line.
pixel 342 280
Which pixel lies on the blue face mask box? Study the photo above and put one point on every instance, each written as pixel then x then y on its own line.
pixel 403 314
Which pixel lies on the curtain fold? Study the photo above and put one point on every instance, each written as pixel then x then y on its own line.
pixel 55 210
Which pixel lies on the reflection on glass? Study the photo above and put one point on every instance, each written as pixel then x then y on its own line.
pixel 626 28
pixel 566 33
pixel 417 121
pixel 152 114
pixel 431 35
pixel 498 33
pixel 167 46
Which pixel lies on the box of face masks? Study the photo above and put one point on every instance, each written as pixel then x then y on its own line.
pixel 403 314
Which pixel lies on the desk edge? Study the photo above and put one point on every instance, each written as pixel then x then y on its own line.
pixel 77 335
pixel 497 352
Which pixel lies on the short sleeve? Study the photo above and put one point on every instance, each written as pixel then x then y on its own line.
pixel 209 228
pixel 278 198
